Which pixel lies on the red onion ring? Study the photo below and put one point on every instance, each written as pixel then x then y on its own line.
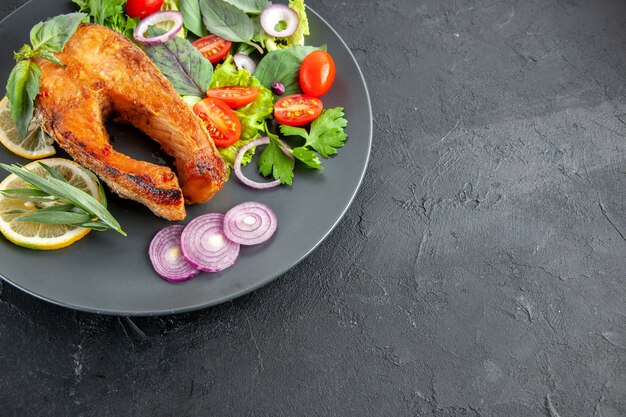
pixel 274 15
pixel 205 246
pixel 250 223
pixel 245 62
pixel 155 18
pixel 165 255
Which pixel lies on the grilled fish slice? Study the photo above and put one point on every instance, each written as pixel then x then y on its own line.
pixel 106 75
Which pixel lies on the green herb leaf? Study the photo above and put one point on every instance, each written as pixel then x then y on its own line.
pixel 65 191
pixel 22 88
pixel 183 65
pixel 250 6
pixel 45 54
pixel 55 217
pixel 226 21
pixel 274 161
pixel 53 172
pixel 192 17
pixel 109 13
pixel 327 132
pixel 54 33
pixel 307 156
pixel 30 192
pixel 283 66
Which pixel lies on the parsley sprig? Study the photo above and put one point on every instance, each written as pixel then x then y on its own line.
pixel 56 201
pixel 326 135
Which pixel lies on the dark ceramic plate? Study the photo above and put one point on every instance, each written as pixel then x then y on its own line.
pixel 108 273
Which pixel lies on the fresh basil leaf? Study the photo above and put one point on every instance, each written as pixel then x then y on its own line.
pixel 22 88
pixel 192 17
pixel 283 66
pixel 47 55
pixel 226 21
pixel 307 156
pixel 183 65
pixel 54 33
pixel 250 6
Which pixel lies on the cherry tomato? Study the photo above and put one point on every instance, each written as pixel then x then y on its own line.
pixel 221 122
pixel 234 96
pixel 142 8
pixel 213 47
pixel 317 73
pixel 297 109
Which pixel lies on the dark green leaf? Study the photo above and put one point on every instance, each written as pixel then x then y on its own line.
pixel 327 132
pixel 99 226
pixel 226 21
pixel 53 172
pixel 59 207
pixel 183 65
pixel 283 66
pixel 307 156
pixel 109 13
pixel 192 17
pixel 45 54
pixel 31 192
pixel 22 88
pixel 250 6
pixel 54 33
pixel 55 217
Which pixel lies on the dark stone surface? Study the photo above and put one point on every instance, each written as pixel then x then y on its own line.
pixel 480 271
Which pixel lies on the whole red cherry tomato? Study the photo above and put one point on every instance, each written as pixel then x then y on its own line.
pixel 142 8
pixel 317 73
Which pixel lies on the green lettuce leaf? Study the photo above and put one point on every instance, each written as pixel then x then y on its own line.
pixel 252 116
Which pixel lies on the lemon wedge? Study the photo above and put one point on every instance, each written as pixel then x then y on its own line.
pixel 37 144
pixel 45 236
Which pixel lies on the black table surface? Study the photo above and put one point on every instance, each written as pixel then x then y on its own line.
pixel 479 272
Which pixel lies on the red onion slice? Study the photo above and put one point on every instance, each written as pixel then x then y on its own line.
pixel 245 62
pixel 250 223
pixel 166 257
pixel 278 15
pixel 205 246
pixel 237 165
pixel 155 18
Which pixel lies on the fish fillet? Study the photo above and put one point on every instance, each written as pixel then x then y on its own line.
pixel 105 76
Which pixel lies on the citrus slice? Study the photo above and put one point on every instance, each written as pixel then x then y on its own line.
pixel 45 236
pixel 37 144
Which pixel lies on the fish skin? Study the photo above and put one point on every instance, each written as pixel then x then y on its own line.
pixel 104 76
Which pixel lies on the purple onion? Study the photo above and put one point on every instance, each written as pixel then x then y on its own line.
pixel 250 223
pixel 166 257
pixel 278 88
pixel 205 246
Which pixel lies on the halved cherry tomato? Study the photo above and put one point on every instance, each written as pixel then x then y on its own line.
pixel 221 122
pixel 234 96
pixel 317 73
pixel 142 8
pixel 297 109
pixel 213 47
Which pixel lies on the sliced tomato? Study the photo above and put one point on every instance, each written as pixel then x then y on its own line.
pixel 297 109
pixel 213 47
pixel 142 8
pixel 234 96
pixel 221 122
pixel 317 73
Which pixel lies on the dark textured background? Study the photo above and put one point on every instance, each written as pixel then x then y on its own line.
pixel 480 271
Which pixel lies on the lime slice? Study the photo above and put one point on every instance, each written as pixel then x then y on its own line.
pixel 35 145
pixel 45 236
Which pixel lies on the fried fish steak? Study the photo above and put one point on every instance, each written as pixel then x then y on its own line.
pixel 104 76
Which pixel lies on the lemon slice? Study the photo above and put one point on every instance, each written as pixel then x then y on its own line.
pixel 45 236
pixel 35 145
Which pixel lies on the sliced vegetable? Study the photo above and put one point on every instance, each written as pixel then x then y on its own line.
pixel 221 122
pixel 297 109
pixel 327 132
pixel 205 246
pixel 250 223
pixel 317 73
pixel 245 62
pixel 234 96
pixel 155 18
pixel 142 8
pixel 237 165
pixel 279 20
pixel 166 255
pixel 278 88
pixel 213 47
